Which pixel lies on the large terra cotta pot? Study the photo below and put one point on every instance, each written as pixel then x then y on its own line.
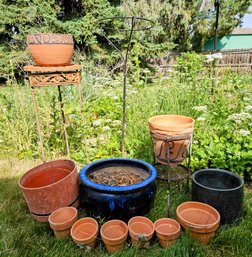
pixel 50 49
pixel 171 135
pixel 50 186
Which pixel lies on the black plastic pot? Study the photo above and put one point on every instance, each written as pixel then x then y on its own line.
pixel 121 202
pixel 221 189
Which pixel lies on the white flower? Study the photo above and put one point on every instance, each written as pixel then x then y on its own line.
pixel 201 119
pixel 106 128
pixel 116 122
pixel 217 56
pixel 115 97
pixel 248 107
pixel 108 120
pixel 238 117
pixel 212 57
pixel 96 123
pixel 200 108
pixel 249 99
pixel 131 92
pixel 243 132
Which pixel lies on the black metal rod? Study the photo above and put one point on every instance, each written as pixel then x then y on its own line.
pixel 124 83
pixel 217 7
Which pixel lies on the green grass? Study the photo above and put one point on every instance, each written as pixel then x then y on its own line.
pixel 21 235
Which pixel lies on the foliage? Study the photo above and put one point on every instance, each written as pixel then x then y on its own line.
pixel 177 26
pixel 231 14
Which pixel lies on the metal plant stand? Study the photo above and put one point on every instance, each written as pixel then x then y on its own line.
pixel 56 76
pixel 169 169
pixel 133 22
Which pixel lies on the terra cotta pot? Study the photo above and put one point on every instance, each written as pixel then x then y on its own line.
pixel 114 233
pixel 141 230
pixel 61 221
pixel 199 219
pixel 50 49
pixel 84 232
pixel 171 135
pixel 50 186
pixel 167 231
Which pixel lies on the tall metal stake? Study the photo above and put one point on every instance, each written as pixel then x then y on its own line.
pixel 124 83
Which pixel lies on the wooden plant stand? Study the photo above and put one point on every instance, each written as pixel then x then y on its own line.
pixel 56 76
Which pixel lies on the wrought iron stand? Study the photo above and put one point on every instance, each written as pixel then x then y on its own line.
pixel 168 169
pixel 56 76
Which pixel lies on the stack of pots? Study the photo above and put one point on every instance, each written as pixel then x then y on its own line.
pixel 51 49
pixel 171 135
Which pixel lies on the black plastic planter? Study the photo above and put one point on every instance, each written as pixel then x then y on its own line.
pixel 121 202
pixel 221 189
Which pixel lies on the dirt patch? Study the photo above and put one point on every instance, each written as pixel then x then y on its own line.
pixel 118 176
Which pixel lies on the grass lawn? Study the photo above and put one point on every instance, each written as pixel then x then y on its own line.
pixel 21 235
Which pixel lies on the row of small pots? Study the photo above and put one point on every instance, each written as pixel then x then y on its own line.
pixel 201 220
pixel 113 233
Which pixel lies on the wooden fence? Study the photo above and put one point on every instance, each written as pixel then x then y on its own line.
pixel 239 61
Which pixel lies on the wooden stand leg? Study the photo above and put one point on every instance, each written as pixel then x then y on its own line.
pixel 64 122
pixel 38 123
pixel 83 121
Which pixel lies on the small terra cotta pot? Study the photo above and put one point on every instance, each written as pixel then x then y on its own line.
pixel 61 221
pixel 199 219
pixel 141 230
pixel 84 232
pixel 171 136
pixel 114 233
pixel 167 231
pixel 50 49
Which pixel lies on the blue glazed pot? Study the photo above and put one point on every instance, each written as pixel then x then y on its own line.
pixel 121 202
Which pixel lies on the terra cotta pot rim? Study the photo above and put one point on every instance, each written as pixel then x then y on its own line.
pixel 40 165
pixel 77 223
pixel 209 225
pixel 144 219
pixel 168 219
pixel 111 221
pixel 75 213
pixel 190 119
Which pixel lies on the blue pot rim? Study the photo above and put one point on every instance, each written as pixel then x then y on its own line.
pixel 218 170
pixel 88 182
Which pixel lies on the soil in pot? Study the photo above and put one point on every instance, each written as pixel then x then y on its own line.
pixel 118 176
